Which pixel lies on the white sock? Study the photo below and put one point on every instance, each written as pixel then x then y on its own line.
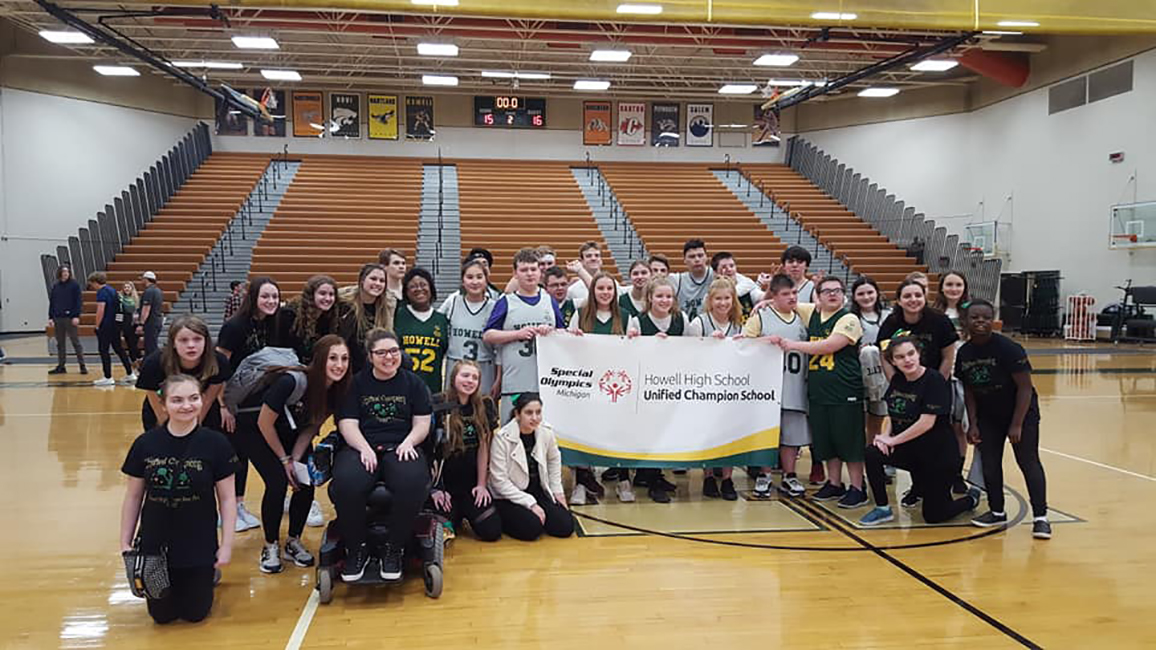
pixel 1044 518
pixel 998 514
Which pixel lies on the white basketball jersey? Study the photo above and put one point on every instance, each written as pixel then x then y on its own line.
pixel 519 359
pixel 794 363
pixel 692 292
pixel 466 328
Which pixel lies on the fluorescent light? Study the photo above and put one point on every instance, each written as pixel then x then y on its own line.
pixel 591 84
pixel 613 56
pixel 438 80
pixel 116 70
pixel 738 89
pixel 538 76
pixel 789 82
pixel 65 38
pixel 935 65
pixel 443 3
pixel 878 92
pixel 281 75
pixel 650 9
pixel 437 49
pixel 215 65
pixel 997 32
pixel 1018 23
pixel 510 74
pixel 777 60
pixel 255 43
pixel 833 15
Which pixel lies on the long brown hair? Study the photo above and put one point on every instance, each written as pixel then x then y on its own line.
pixel 308 317
pixel 455 423
pixel 588 317
pixel 941 299
pixel 383 307
pixel 318 397
pixel 171 361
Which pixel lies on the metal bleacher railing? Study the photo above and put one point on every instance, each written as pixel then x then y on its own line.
pixel 635 249
pixel 94 247
pixel 908 229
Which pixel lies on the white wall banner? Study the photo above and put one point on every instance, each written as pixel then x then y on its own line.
pixel 700 125
pixel 631 124
pixel 651 402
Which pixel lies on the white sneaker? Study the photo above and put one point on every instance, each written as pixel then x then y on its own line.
pixel 793 487
pixel 316 517
pixel 270 558
pixel 297 553
pixel 625 492
pixel 129 379
pixel 763 487
pixel 106 381
pixel 578 495
pixel 243 515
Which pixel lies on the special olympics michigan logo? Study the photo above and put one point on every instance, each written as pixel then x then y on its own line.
pixel 615 383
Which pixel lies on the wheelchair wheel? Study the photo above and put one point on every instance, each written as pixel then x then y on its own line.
pixel 433 580
pixel 325 586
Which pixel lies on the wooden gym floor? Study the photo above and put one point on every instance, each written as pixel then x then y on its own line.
pixel 684 575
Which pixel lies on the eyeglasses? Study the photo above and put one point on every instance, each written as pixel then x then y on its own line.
pixel 833 291
pixel 392 352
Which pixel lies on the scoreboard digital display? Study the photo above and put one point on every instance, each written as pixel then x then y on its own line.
pixel 510 111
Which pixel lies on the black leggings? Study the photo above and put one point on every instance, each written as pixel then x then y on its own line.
pixel 485 522
pixel 520 523
pixel 190 596
pixel 407 480
pixel 272 472
pixel 131 339
pixel 106 338
pixel 1027 453
pixel 934 476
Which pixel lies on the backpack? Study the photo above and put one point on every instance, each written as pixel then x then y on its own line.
pixel 253 376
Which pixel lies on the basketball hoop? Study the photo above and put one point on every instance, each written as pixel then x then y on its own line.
pixel 976 249
pixel 1127 237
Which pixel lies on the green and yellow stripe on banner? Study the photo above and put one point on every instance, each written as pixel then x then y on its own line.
pixel 760 448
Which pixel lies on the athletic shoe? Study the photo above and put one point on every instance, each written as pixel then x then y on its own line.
pixel 270 559
pixel 128 379
pixel 680 471
pixel 316 517
pixel 959 486
pixel 792 486
pixel 1041 529
pixel 889 471
pixel 355 563
pixel 83 369
pixel 295 551
pixel 818 475
pixel 829 492
pixel 974 494
pixel 390 563
pixel 586 478
pixel 243 514
pixel 624 491
pixel 578 496
pixel 763 487
pixel 878 515
pixel 105 381
pixel 658 495
pixel 58 370
pixel 728 490
pixel 610 474
pixel 910 499
pixel 659 481
pixel 710 486
pixel 853 498
pixel 989 520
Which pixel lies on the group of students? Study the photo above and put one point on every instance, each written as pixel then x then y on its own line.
pixel 378 357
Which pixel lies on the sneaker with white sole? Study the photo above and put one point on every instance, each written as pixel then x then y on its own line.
pixel 792 486
pixel 129 380
pixel 104 381
pixel 295 551
pixel 355 562
pixel 578 496
pixel 270 559
pixel 853 498
pixel 990 519
pixel 243 514
pixel 878 515
pixel 763 486
pixel 316 517
pixel 625 492
pixel 391 565
pixel 1041 529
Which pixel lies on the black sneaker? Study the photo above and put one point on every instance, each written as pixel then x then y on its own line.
pixel 84 370
pixel 390 563
pixel 680 471
pixel 959 487
pixel 728 490
pixel 661 483
pixel 355 562
pixel 829 492
pixel 975 495
pixel 640 479
pixel 853 498
pixel 710 487
pixel 58 370
pixel 1041 529
pixel 586 478
pixel 658 495
pixel 910 499
pixel 989 520
pixel 610 474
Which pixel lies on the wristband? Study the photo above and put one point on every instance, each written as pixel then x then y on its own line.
pixel 285 460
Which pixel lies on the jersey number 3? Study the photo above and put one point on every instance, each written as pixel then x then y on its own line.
pixel 528 348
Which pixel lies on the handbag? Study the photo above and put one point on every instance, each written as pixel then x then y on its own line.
pixel 148 573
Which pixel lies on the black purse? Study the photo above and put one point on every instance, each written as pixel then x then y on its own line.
pixel 148 573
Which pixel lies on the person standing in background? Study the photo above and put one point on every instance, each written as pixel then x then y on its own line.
pixel 126 317
pixel 236 297
pixel 107 334
pixel 152 303
pixel 64 311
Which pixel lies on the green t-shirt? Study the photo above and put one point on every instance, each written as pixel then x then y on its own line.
pixel 426 343
pixel 835 378
pixel 567 308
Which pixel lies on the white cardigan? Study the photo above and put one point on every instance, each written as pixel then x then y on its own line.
pixel 509 470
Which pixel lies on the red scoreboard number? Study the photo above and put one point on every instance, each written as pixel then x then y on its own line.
pixel 509 111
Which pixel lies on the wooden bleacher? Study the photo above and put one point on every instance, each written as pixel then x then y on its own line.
pixel 181 235
pixel 670 203
pixel 338 214
pixel 508 205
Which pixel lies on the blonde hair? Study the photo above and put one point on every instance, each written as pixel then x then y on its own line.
pixel 652 286
pixel 588 317
pixel 725 284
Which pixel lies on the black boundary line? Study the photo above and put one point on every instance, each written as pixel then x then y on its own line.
pixel 928 582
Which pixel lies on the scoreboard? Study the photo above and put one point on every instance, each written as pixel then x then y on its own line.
pixel 509 111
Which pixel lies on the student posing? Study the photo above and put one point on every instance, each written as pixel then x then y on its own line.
pixel 468 311
pixel 423 332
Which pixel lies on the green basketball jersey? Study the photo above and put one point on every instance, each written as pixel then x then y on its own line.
pixel 426 343
pixel 627 306
pixel 567 308
pixel 646 326
pixel 833 378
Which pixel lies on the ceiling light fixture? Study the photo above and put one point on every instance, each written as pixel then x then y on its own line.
pixel 611 56
pixel 1018 23
pixel 281 75
pixel 591 84
pixel 833 15
pixel 648 9
pixel 935 65
pixel 65 38
pixel 443 3
pixel 439 80
pixel 738 89
pixel 998 32
pixel 777 60
pixel 437 49
pixel 255 43
pixel 214 65
pixel 879 92
pixel 116 70
pixel 509 74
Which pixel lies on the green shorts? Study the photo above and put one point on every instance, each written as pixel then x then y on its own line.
pixel 837 432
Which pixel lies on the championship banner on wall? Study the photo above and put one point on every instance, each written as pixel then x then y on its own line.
pixel 664 125
pixel 382 117
pixel 596 123
pixel 308 114
pixel 700 125
pixel 274 102
pixel 766 133
pixel 230 121
pixel 651 402
pixel 631 124
pixel 419 118
pixel 344 115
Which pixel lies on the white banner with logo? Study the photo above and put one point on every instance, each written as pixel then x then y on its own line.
pixel 700 125
pixel 631 124
pixel 651 402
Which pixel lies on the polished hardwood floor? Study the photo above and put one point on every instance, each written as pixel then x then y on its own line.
pixel 753 574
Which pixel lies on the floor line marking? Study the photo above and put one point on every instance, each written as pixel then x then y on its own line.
pixel 1092 462
pixel 303 621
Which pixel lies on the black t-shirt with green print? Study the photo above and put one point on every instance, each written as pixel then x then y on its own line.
pixel 987 370
pixel 907 401
pixel 385 409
